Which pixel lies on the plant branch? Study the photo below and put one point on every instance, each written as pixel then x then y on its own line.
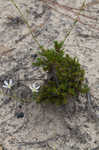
pixel 26 22
pixel 76 20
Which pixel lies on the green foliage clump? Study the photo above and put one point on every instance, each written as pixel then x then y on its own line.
pixel 65 76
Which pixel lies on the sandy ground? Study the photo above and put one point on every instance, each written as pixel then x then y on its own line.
pixel 47 127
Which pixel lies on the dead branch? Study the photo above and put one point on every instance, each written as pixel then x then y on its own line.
pixel 42 143
pixel 70 9
pixel 89 104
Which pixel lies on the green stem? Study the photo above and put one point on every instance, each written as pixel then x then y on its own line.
pixel 26 22
pixel 75 21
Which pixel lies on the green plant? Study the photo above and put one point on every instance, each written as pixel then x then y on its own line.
pixel 65 76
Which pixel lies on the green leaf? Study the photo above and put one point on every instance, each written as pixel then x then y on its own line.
pixel 68 72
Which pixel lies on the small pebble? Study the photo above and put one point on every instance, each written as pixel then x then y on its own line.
pixel 34 55
pixel 19 115
pixel 20 106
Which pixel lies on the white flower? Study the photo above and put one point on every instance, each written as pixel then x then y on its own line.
pixel 34 88
pixel 8 85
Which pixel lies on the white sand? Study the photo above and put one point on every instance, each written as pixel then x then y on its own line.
pixel 50 125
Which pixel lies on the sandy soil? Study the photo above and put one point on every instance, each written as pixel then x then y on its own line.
pixel 47 127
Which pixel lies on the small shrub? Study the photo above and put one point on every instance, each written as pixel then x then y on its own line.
pixel 65 76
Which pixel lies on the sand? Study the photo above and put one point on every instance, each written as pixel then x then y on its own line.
pixel 47 127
